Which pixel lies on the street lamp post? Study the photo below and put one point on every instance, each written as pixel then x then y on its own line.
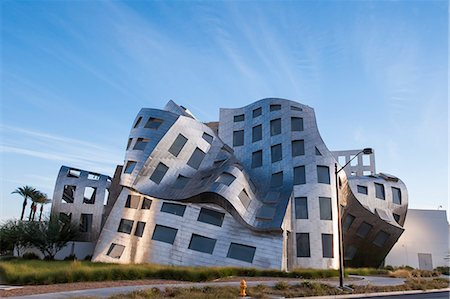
pixel 366 151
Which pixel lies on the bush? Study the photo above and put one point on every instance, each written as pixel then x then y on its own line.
pixel 87 257
pixel 30 256
pixel 281 285
pixel 443 270
pixel 389 268
pixel 71 257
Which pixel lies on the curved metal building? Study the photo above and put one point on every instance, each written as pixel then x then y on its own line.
pixel 256 189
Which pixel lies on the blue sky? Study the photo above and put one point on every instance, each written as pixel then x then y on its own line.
pixel 75 73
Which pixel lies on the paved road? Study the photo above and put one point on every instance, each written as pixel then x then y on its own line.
pixel 437 295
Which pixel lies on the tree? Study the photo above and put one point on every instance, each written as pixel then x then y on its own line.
pixel 39 198
pixel 52 235
pixel 26 192
pixel 14 235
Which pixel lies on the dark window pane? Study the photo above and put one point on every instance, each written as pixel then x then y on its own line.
pixel 318 152
pixel 296 124
pixel 69 193
pixel 245 199
pixel 164 234
pixel 129 167
pixel 181 182
pixel 325 208
pixel 275 127
pixel 239 118
pixel 362 189
pixel 323 174
pixel 275 107
pixel 276 152
pixel 85 223
pixel 238 138
pixel 241 252
pixel 208 138
pixel 293 108
pixel 129 143
pixel 379 191
pixel 202 244
pixel 146 204
pixel 257 112
pixel 159 173
pixel 177 145
pixel 153 123
pixel 396 196
pixel 257 159
pixel 327 245
pixel 125 226
pixel 363 230
pixel 65 218
pixel 303 248
pixel 277 179
pixel 173 208
pixel 257 133
pixel 196 158
pixel 396 217
pixel 141 143
pixel 381 238
pixel 349 252
pixel 139 229
pixel 226 178
pixel 138 122
pixel 299 175
pixel 132 202
pixel 298 148
pixel 348 222
pixel 115 251
pixel 211 217
pixel 301 208
pixel 89 195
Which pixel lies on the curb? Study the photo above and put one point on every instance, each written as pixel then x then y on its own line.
pixel 365 295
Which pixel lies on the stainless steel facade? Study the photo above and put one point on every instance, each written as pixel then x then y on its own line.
pixel 255 189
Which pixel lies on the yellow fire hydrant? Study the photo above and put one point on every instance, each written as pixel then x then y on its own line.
pixel 242 292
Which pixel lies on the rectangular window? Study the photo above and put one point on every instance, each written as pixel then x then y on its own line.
pixel 129 143
pixel 244 198
pixel 396 196
pixel 125 226
pixel 159 173
pixel 89 195
pixel 86 223
pixel 196 159
pixel 298 148
pixel 132 202
pixel 241 252
pixel 208 138
pixel 153 123
pixel 239 118
pixel 129 167
pixel 69 193
pixel 238 138
pixel 296 124
pixel 115 251
pixel 276 179
pixel 363 230
pixel 257 159
pixel 348 222
pixel 362 189
pixel 303 247
pixel 138 122
pixel 173 208
pixel 226 178
pixel 202 244
pixel 381 238
pixel 323 174
pixel 140 226
pixel 327 245
pixel 275 127
pixel 349 252
pixel 140 144
pixel 379 191
pixel 181 182
pixel 275 107
pixel 325 208
pixel 276 152
pixel 211 217
pixel 74 173
pixel 257 112
pixel 301 208
pixel 93 176
pixel 257 133
pixel 299 175
pixel 146 204
pixel 294 108
pixel 164 234
pixel 177 145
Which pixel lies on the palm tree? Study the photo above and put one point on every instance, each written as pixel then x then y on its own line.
pixel 42 199
pixel 26 192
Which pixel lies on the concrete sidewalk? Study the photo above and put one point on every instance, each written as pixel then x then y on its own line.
pixel 106 292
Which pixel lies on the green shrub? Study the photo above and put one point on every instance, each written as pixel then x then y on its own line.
pixel 30 256
pixel 443 270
